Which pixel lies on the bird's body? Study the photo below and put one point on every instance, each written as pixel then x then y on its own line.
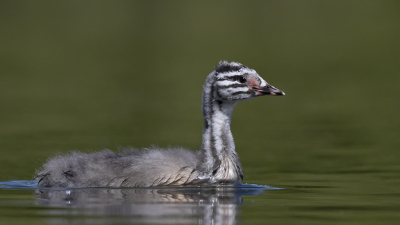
pixel 216 161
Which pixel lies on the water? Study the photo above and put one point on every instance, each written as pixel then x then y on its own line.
pixel 22 201
pixel 165 205
pixel 99 75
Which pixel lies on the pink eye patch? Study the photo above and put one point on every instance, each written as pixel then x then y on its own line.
pixel 253 81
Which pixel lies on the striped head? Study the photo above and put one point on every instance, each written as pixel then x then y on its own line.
pixel 236 82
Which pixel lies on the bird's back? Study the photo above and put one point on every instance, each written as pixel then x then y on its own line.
pixel 128 168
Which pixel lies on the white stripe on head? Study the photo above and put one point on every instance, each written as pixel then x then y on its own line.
pixel 230 91
pixel 223 83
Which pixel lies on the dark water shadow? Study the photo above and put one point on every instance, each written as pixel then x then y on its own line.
pixel 163 205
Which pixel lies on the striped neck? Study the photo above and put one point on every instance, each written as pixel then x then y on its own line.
pixel 220 159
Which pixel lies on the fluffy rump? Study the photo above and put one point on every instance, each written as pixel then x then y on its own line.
pixel 128 168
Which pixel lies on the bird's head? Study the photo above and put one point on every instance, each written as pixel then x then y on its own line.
pixel 236 82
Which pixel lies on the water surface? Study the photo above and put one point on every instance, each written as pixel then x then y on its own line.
pixel 161 205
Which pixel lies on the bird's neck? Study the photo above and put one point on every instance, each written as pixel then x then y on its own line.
pixel 220 159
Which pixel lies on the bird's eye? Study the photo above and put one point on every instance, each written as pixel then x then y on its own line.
pixel 242 80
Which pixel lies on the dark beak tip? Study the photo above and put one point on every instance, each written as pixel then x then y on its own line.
pixel 270 90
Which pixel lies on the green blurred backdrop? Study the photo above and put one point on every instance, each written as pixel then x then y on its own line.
pixel 90 75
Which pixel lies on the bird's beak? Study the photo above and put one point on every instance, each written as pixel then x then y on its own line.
pixel 268 90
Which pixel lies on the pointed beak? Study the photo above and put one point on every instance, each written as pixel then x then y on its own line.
pixel 268 90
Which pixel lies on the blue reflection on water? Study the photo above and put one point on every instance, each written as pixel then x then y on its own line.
pixel 16 184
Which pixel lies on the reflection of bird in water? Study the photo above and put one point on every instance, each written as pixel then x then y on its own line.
pixel 216 161
pixel 166 205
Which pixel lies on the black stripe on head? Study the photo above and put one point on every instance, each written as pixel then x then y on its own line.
pixel 232 86
pixel 225 66
pixel 242 92
pixel 232 78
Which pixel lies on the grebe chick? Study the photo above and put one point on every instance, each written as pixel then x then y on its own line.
pixel 216 161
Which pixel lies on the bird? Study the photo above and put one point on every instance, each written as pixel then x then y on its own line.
pixel 216 162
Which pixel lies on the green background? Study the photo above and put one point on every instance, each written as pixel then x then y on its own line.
pixel 91 75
